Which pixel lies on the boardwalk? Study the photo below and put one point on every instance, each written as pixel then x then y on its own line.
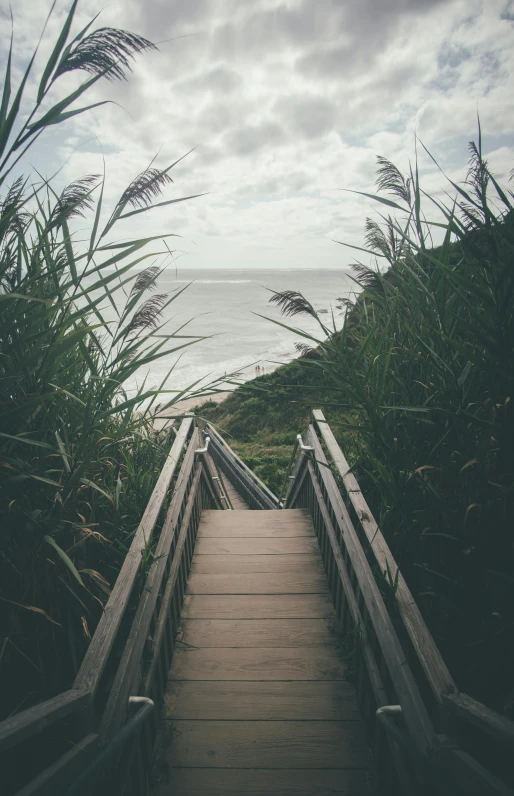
pixel 257 703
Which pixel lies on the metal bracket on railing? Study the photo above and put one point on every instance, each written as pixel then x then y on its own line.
pixel 302 446
pixel 206 446
pixel 388 710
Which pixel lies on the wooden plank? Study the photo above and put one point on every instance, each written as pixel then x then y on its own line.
pixel 31 721
pixel 252 546
pixel 270 744
pixel 227 450
pixel 285 663
pixel 434 667
pixel 258 632
pixel 211 473
pixel 487 721
pixel 126 681
pixel 368 656
pixel 61 774
pixel 328 700
pixel 270 516
pixel 262 782
pixel 414 710
pixel 253 530
pixel 239 526
pixel 219 564
pixel 98 651
pixel 259 583
pixel 265 606
pixel 238 504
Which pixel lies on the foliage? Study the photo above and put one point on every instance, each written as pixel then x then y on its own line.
pixel 78 457
pixel 263 417
pixel 425 362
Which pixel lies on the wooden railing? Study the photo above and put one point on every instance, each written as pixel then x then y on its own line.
pixel 48 749
pixel 419 726
pixel 99 736
pixel 250 487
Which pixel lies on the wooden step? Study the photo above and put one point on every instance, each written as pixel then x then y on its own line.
pixel 268 744
pixel 284 663
pixel 258 632
pixel 262 782
pixel 325 700
pixel 259 583
pixel 257 701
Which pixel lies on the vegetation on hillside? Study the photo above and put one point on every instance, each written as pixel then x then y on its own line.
pixel 420 382
pixel 78 458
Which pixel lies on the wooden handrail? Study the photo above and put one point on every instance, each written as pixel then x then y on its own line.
pixel 224 444
pixel 473 713
pixel 414 710
pixel 33 720
pixel 434 667
pixel 130 664
pixel 95 659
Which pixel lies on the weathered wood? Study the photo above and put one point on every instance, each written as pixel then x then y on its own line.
pixel 169 591
pixel 255 546
pixel 265 606
pixel 434 667
pixel 98 651
pixel 245 524
pixel 219 564
pixel 56 778
pixel 285 663
pixel 258 632
pixel 217 485
pixel 237 502
pixel 268 744
pixel 368 657
pixel 259 583
pixel 34 720
pixel 470 711
pixel 129 668
pixel 262 782
pixel 240 463
pixel 414 710
pixel 321 700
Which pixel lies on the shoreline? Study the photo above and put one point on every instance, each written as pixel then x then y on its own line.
pixel 185 405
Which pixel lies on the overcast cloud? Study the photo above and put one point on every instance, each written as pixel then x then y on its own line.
pixel 286 102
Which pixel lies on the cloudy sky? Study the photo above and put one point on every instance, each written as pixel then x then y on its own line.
pixel 286 103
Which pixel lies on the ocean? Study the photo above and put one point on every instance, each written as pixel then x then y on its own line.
pixel 223 306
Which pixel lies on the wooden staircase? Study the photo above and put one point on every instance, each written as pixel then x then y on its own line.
pixel 257 701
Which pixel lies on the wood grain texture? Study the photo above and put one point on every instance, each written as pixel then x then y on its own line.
pixel 285 663
pixel 257 606
pixel 97 654
pixel 327 700
pixel 238 504
pixel 429 656
pixel 258 632
pixel 255 546
pixel 268 744
pixel 259 583
pixel 261 782
pixel 256 694
pixel 249 524
pixel 218 564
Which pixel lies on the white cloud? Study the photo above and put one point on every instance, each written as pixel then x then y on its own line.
pixel 286 102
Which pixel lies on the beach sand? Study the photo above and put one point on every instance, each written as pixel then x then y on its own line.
pixel 181 407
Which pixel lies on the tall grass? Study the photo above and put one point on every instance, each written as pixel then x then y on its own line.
pixel 78 457
pixel 424 364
